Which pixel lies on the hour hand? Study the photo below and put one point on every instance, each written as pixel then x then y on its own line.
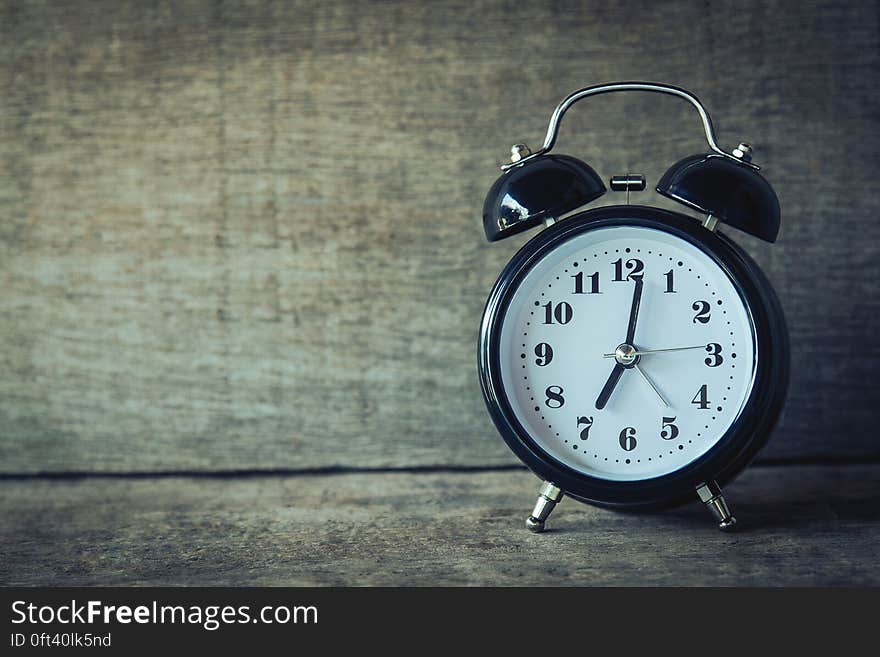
pixel 610 384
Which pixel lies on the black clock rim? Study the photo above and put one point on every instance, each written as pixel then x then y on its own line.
pixel 743 439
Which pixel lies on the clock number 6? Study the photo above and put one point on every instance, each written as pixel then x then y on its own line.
pixel 628 439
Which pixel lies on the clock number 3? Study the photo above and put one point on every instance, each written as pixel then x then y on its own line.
pixel 714 351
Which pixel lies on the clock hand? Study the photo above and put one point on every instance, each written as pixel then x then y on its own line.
pixel 634 311
pixel 609 386
pixel 651 383
pixel 617 372
pixel 657 351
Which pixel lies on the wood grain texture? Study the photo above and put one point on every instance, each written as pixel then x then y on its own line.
pixel 248 236
pixel 799 525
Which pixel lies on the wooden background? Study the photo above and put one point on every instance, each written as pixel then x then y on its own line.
pixel 244 237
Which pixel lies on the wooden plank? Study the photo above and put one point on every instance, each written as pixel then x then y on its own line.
pixel 248 237
pixel 805 525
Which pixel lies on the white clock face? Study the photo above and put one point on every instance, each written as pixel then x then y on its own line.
pixel 608 417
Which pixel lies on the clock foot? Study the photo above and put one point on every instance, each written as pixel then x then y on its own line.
pixel 548 497
pixel 710 495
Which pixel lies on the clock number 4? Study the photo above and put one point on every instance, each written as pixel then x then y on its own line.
pixel 701 399
pixel 562 313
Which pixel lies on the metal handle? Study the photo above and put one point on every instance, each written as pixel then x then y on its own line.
pixel 571 99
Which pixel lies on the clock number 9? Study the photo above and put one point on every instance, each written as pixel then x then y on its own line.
pixel 554 397
pixel 544 353
pixel 628 439
pixel 714 350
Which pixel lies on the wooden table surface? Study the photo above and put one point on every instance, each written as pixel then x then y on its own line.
pixel 799 525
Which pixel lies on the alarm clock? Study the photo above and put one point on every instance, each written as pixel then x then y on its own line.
pixel 633 357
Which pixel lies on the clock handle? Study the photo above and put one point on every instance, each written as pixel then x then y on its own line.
pixel 655 87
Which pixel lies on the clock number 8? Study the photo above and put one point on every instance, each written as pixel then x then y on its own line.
pixel 554 397
pixel 628 439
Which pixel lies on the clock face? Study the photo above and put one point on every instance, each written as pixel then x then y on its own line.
pixel 617 408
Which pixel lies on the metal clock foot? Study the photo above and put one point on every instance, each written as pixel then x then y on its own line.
pixel 548 497
pixel 710 495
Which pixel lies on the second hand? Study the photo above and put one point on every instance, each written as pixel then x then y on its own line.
pixel 657 351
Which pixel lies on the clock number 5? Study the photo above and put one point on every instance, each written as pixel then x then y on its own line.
pixel 668 431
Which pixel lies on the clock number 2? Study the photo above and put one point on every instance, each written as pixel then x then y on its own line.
pixel 703 314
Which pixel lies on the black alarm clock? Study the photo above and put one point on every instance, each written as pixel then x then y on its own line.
pixel 632 357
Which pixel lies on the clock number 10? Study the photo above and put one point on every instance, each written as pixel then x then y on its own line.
pixel 562 313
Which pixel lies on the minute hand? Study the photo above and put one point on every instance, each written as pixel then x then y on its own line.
pixel 657 351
